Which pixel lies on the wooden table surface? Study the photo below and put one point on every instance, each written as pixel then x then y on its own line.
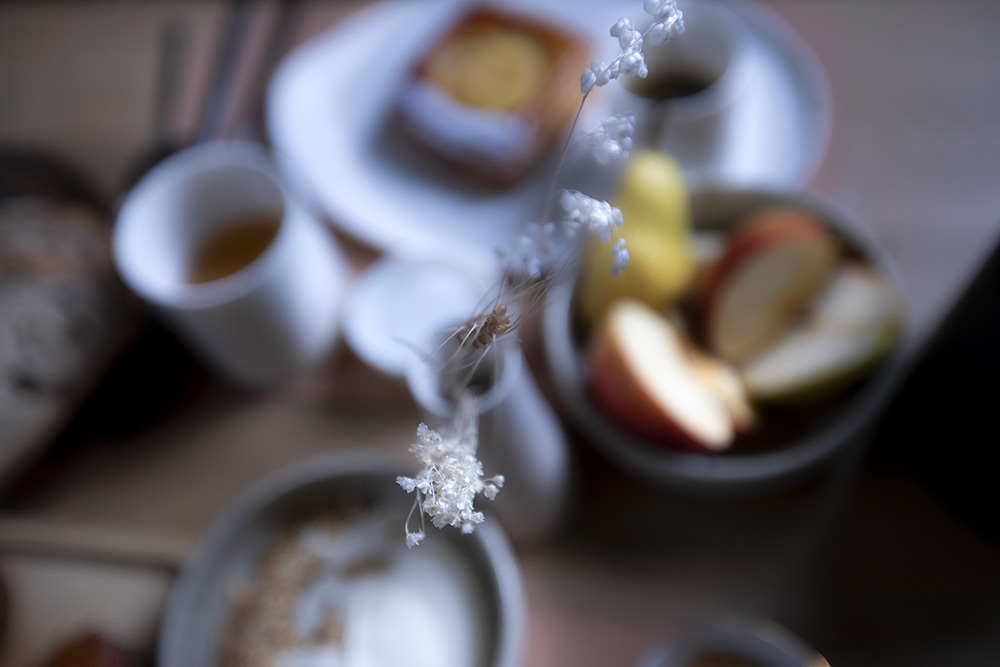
pixel 870 567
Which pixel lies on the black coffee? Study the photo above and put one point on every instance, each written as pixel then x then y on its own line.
pixel 672 84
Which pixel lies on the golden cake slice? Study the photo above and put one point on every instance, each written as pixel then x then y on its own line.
pixel 491 67
pixel 493 92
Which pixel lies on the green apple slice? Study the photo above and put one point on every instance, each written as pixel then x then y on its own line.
pixel 849 327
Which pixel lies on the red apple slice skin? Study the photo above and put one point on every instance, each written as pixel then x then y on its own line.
pixel 613 385
pixel 773 265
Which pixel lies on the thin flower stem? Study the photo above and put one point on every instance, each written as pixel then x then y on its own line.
pixel 550 195
pixel 416 504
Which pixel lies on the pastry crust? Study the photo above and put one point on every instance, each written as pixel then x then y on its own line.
pixel 493 93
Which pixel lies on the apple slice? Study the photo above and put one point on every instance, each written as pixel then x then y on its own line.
pixel 642 373
pixel 727 382
pixel 849 327
pixel 773 265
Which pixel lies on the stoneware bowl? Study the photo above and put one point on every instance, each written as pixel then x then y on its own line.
pixel 783 449
pixel 483 578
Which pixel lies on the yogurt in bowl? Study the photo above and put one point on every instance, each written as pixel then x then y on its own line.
pixel 311 568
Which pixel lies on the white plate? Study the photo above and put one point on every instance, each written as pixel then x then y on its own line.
pixel 329 100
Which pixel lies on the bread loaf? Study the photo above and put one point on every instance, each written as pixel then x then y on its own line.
pixel 63 313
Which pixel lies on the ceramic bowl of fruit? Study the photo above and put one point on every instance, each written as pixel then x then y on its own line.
pixel 754 336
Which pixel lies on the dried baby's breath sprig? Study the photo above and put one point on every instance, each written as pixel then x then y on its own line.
pixel 620 253
pixel 668 22
pixel 582 212
pixel 542 253
pixel 451 475
pixel 612 139
pixel 535 248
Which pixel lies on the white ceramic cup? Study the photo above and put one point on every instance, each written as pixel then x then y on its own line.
pixel 716 48
pixel 277 315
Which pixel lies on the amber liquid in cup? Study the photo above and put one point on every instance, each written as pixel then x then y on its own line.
pixel 233 248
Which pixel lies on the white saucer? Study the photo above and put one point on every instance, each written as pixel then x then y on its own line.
pixel 328 102
pixel 398 309
pixel 785 121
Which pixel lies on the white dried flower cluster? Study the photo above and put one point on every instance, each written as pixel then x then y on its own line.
pixel 413 538
pixel 539 244
pixel 584 212
pixel 629 60
pixel 450 476
pixel 535 247
pixel 668 22
pixel 661 33
pixel 620 253
pixel 612 139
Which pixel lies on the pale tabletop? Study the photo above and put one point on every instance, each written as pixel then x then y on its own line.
pixel 915 154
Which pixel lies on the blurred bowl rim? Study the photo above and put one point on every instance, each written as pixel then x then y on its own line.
pixel 693 471
pixel 489 545
pixel 760 642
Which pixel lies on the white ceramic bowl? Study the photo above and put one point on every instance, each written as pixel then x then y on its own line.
pixel 782 450
pixel 486 573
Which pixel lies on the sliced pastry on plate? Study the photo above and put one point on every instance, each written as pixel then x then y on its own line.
pixel 493 92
